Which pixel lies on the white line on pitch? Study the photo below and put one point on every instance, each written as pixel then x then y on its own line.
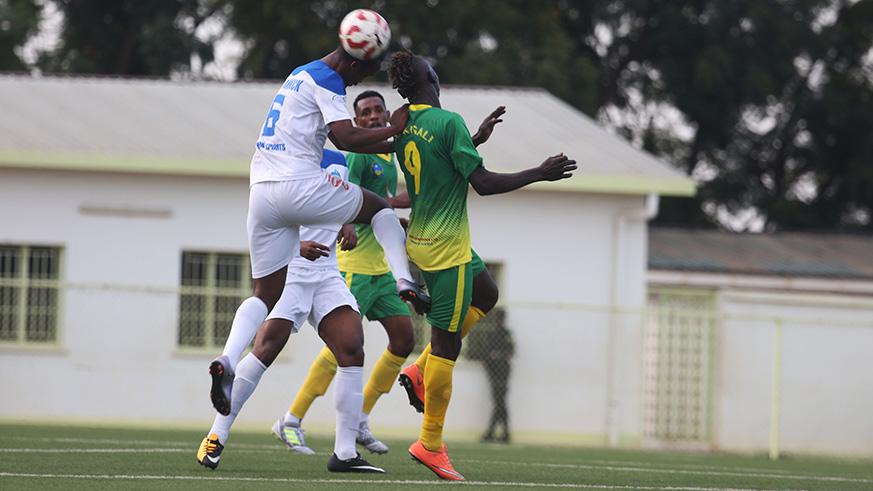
pixel 678 471
pixel 384 481
pixel 93 450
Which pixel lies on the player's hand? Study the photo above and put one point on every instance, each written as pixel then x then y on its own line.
pixel 313 250
pixel 400 201
pixel 404 223
pixel 347 238
pixel 487 126
pixel 399 118
pixel 557 167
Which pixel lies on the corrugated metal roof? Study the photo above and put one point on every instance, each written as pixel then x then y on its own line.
pixel 825 255
pixel 209 128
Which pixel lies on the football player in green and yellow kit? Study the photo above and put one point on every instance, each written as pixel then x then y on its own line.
pixel 439 161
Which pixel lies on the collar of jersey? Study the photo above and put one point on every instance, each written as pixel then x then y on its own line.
pixel 418 107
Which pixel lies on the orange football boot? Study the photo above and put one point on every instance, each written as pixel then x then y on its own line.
pixel 438 462
pixel 412 380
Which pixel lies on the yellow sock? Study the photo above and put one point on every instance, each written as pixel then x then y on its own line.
pixel 381 378
pixel 320 374
pixel 437 394
pixel 474 315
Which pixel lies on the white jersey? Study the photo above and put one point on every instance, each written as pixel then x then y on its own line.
pixel 334 163
pixel 293 136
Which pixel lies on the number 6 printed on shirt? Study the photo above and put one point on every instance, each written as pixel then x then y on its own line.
pixel 273 116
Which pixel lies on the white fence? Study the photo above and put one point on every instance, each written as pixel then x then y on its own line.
pixel 733 371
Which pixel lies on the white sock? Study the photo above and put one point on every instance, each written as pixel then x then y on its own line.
pixel 290 419
pixel 248 318
pixel 392 238
pixel 248 374
pixel 348 398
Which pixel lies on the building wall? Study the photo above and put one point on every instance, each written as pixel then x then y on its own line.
pixel 117 358
pixel 826 388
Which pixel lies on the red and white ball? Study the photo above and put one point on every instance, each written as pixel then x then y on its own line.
pixel 364 34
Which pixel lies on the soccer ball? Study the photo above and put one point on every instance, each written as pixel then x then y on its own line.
pixel 364 34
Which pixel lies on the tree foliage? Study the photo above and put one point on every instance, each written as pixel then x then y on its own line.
pixel 128 37
pixel 18 21
pixel 766 103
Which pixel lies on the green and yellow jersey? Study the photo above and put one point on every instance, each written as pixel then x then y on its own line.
pixel 378 174
pixel 437 155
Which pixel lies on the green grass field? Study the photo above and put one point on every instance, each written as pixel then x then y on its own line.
pixel 58 457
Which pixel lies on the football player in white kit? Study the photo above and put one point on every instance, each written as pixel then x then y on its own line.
pixel 315 291
pixel 288 188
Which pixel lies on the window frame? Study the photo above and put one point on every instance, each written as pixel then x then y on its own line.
pixel 210 292
pixel 25 283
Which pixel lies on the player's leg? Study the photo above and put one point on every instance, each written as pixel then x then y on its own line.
pixel 288 428
pixel 248 375
pixel 400 343
pixel 387 308
pixel 273 242
pixel 451 290
pixel 334 311
pixel 290 311
pixel 484 298
pixel 321 374
pixel 382 377
pixel 342 332
pixel 377 298
pixel 376 212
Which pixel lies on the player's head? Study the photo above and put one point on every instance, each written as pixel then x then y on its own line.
pixel 370 111
pixel 412 76
pixel 353 70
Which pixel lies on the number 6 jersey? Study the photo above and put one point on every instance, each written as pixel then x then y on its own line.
pixel 296 127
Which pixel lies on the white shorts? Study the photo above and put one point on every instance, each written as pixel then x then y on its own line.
pixel 277 209
pixel 310 295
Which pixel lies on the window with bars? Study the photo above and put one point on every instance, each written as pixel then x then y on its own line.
pixel 212 287
pixel 29 294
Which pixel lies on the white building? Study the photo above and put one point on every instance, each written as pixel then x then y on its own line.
pixel 760 341
pixel 124 207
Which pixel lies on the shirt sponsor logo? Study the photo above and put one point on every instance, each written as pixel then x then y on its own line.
pixel 271 147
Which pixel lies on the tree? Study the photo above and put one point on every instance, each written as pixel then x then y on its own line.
pixel 128 37
pixel 777 95
pixel 18 22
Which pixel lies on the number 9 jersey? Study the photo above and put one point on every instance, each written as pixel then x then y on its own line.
pixel 437 155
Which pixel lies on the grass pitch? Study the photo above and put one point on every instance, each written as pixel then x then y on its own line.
pixel 70 458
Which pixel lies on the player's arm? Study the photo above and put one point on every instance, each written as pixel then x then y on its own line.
pixel 487 126
pixel 554 168
pixel 368 140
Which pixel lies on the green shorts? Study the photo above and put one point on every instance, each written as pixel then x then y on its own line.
pixel 476 263
pixel 376 295
pixel 450 293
